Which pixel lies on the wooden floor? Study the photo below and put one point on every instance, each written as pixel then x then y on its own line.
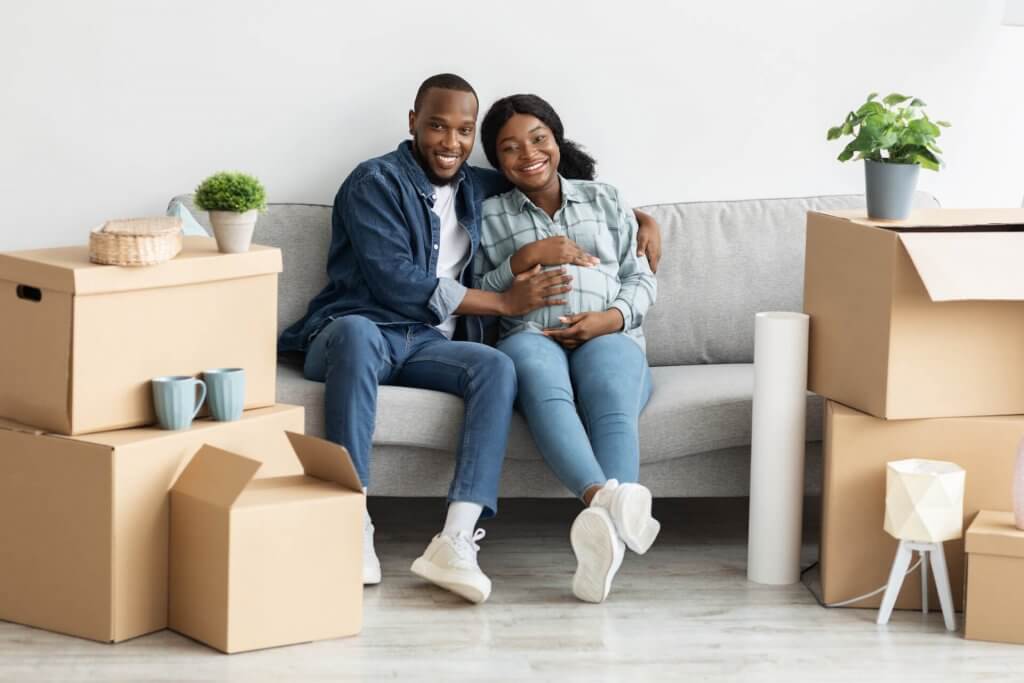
pixel 684 611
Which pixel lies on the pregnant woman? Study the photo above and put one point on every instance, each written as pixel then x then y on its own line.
pixel 581 364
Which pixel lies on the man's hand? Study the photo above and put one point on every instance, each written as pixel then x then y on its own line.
pixel 535 289
pixel 552 251
pixel 648 239
pixel 585 326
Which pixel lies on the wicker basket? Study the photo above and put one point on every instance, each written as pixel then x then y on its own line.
pixel 136 241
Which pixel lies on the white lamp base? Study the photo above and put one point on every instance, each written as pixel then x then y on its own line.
pixel 928 551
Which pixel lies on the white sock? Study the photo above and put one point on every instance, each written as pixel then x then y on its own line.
pixel 366 512
pixel 462 516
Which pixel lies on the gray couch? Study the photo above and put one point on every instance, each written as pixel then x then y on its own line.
pixel 722 263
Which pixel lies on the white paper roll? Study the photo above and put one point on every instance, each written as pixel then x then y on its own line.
pixel 777 447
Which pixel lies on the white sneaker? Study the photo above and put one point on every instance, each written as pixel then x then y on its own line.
pixel 630 508
pixel 599 552
pixel 450 562
pixel 371 565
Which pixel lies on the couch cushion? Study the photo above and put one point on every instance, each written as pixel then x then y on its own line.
pixel 693 409
pixel 723 262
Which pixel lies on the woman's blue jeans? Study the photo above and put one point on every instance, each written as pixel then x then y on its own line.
pixel 583 405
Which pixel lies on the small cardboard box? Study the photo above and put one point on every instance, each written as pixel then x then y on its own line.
pixel 995 579
pixel 257 564
pixel 85 521
pixel 81 341
pixel 917 318
pixel 856 553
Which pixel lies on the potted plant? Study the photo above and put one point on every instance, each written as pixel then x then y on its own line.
pixel 234 201
pixel 895 138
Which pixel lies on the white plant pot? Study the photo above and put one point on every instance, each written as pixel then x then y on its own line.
pixel 233 230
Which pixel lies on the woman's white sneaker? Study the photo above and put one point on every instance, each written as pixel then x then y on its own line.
pixel 450 562
pixel 599 552
pixel 630 508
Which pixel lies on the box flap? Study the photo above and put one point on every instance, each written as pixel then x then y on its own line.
pixel 968 266
pixel 325 460
pixel 937 220
pixel 68 269
pixel 216 476
pixel 993 533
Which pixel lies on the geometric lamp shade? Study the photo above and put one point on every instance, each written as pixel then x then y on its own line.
pixel 924 500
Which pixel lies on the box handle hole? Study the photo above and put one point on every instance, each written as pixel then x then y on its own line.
pixel 30 293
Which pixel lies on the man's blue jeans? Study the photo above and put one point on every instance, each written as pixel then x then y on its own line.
pixel 608 379
pixel 353 356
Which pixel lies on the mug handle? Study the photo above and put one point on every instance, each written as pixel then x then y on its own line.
pixel 202 396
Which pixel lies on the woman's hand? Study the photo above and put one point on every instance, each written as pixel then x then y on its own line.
pixel 648 239
pixel 552 251
pixel 535 289
pixel 586 326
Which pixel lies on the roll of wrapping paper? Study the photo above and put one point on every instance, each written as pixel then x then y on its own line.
pixel 777 447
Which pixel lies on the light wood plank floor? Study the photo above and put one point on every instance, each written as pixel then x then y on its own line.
pixel 684 611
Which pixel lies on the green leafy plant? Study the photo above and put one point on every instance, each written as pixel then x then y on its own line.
pixel 895 130
pixel 227 191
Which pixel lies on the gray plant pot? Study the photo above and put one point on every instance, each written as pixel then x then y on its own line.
pixel 233 231
pixel 890 189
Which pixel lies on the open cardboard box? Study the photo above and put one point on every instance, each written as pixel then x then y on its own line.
pixel 84 521
pixel 917 318
pixel 81 341
pixel 268 562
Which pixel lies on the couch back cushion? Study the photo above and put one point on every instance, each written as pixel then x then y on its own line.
pixel 721 263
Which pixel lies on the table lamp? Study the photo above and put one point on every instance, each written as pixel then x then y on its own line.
pixel 924 506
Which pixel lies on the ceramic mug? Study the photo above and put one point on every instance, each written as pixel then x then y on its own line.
pixel 227 393
pixel 174 398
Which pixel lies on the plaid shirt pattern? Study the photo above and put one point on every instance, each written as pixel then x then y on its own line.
pixel 594 216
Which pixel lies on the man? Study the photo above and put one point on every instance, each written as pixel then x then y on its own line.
pixel 405 228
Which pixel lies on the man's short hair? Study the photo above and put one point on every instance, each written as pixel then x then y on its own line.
pixel 444 82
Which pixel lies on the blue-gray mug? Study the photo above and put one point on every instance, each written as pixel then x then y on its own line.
pixel 227 393
pixel 175 400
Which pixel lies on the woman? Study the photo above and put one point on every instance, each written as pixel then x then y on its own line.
pixel 587 348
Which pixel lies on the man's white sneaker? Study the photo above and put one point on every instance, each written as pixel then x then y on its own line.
pixel 599 552
pixel 450 562
pixel 630 508
pixel 371 565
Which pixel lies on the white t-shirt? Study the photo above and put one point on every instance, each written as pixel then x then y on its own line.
pixel 454 248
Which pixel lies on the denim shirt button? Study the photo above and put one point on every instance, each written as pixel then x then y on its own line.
pixel 435 246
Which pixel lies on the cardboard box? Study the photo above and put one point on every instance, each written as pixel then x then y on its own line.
pixel 995 579
pixel 917 318
pixel 84 521
pixel 257 564
pixel 856 553
pixel 81 341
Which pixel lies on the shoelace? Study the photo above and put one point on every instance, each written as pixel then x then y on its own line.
pixel 463 543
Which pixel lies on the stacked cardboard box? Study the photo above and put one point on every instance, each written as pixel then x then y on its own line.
pixel 916 340
pixel 995 592
pixel 85 475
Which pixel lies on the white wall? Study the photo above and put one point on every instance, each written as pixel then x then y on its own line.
pixel 109 107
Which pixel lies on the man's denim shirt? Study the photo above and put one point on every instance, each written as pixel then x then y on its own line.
pixel 382 262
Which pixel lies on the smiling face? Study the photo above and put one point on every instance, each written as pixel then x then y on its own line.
pixel 528 154
pixel 443 131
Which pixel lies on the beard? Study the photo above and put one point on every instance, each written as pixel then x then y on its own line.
pixel 421 159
